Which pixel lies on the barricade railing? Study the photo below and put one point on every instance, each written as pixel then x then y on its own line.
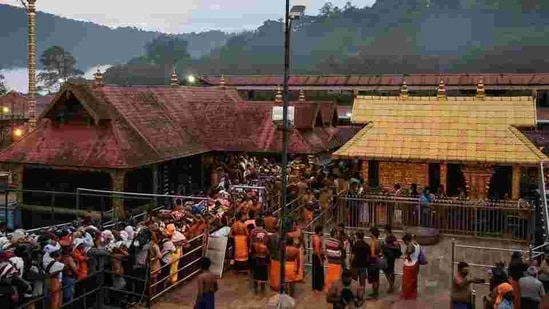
pixel 184 268
pixel 86 293
pixel 481 219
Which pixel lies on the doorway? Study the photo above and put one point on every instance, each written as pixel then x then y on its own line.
pixel 434 177
pixel 454 180
pixel 501 183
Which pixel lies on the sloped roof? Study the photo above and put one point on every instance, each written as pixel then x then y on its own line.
pixel 141 125
pixel 464 80
pixel 460 129
pixel 15 102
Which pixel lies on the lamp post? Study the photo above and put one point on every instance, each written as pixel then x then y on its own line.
pixel 295 13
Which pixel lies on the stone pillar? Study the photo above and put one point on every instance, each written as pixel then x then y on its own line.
pixel 155 182
pixel 515 187
pixel 477 180
pixel 118 180
pixel 364 172
pixel 17 179
pixel 444 176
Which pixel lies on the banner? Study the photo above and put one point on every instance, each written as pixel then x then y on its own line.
pixel 216 251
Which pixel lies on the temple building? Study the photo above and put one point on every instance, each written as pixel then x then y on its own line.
pixel 153 139
pixel 474 144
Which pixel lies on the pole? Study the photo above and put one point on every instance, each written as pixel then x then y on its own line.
pixel 31 11
pixel 282 236
pixel 6 198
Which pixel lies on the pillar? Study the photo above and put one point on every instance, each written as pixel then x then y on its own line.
pixel 444 176
pixel 477 180
pixel 118 180
pixel 515 188
pixel 17 179
pixel 364 172
pixel 155 182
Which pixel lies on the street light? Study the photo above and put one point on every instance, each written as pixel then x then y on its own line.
pixel 296 12
pixel 5 109
pixel 191 79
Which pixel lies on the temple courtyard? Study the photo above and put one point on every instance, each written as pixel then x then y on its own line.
pixel 236 292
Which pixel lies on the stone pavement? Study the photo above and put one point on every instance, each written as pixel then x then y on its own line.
pixel 235 291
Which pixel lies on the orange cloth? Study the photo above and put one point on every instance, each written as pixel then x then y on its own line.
pixel 56 292
pixel 240 248
pixel 502 289
pixel 291 274
pixel 333 273
pixel 274 275
pixel 82 261
pixel 516 292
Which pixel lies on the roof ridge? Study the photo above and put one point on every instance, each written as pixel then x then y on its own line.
pixel 527 143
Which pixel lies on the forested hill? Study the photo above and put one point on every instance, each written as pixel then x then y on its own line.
pixel 398 36
pixel 91 44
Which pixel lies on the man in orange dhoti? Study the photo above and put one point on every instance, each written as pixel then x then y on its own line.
pixel 274 254
pixel 260 254
pixel 292 265
pixel 297 237
pixel 335 253
pixel 239 232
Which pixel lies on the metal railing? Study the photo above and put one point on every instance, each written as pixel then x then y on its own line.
pixel 507 220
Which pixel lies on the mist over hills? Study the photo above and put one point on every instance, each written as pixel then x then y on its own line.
pixel 392 36
pixel 90 43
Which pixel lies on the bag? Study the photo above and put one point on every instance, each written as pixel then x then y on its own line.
pixel 422 259
pixel 382 262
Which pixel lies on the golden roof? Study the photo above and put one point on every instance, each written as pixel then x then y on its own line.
pixel 458 129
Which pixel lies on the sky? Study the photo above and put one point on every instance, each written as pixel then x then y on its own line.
pixel 169 16
pixel 176 16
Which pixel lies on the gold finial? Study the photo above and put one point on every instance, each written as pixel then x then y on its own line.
pixel 441 92
pixel 301 95
pixel 98 78
pixel 222 82
pixel 481 93
pixel 278 96
pixel 404 91
pixel 174 80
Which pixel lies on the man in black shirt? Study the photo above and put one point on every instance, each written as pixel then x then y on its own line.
pixel 360 259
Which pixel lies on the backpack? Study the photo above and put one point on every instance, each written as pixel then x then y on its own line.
pixel 422 259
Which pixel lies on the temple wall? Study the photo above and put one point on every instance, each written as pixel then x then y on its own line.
pixel 405 174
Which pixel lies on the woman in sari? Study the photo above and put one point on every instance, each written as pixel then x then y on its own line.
pixel 179 241
pixel 410 268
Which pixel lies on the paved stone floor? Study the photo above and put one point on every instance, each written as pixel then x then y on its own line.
pixel 236 293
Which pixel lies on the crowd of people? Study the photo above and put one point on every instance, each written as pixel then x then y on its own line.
pixel 522 284
pixel 56 265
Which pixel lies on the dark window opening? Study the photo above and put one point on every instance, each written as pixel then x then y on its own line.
pixel 501 183
pixel 373 173
pixel 434 177
pixel 454 180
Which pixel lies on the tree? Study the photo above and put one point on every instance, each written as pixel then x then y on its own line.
pixel 3 89
pixel 59 66
pixel 167 50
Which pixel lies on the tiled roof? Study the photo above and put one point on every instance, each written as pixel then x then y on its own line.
pixel 141 125
pixel 453 130
pixel 470 80
pixel 15 102
pixel 328 112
